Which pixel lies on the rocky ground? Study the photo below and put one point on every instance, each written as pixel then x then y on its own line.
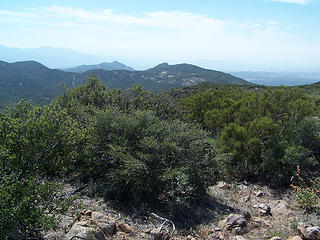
pixel 229 211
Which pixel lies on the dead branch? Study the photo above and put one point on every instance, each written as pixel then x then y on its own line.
pixel 165 220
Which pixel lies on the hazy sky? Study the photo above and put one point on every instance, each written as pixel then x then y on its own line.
pixel 223 34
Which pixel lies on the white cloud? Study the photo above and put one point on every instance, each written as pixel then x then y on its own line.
pixel 176 36
pixel 302 2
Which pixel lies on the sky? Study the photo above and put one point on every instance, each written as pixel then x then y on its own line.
pixel 234 35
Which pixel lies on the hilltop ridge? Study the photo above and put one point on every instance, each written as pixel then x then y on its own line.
pixel 33 80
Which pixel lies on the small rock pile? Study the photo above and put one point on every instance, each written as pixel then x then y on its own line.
pixel 96 224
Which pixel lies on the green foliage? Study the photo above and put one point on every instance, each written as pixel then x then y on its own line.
pixel 84 101
pixel 25 203
pixel 36 143
pixel 39 140
pixel 137 149
pixel 138 146
pixel 142 158
pixel 306 192
pixel 259 134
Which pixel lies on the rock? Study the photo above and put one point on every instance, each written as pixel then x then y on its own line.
pixel 223 185
pixel 86 212
pixel 295 238
pixel 312 233
pixel 98 216
pixel 238 238
pixel 160 235
pixel 264 209
pixel 190 238
pixel 245 199
pixel 123 227
pixel 51 236
pixel 222 236
pixel 99 235
pixel 280 207
pixel 275 238
pixel 301 228
pixel 260 194
pixel 257 222
pixel 79 230
pixel 108 228
pixel 235 223
pixel 246 215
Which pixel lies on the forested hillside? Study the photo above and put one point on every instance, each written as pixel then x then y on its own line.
pixel 34 81
pixel 156 150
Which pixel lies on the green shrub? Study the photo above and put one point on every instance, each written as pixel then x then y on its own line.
pixel 260 135
pixel 142 158
pixel 24 206
pixel 306 192
pixel 39 140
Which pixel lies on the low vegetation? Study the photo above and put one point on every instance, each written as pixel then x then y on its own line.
pixel 139 147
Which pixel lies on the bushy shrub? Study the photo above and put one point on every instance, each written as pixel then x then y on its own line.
pixel 144 159
pixel 259 134
pixel 36 143
pixel 24 206
pixel 306 192
pixel 39 140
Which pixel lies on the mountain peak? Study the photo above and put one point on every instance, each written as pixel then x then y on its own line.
pixel 30 64
pixel 115 65
pixel 162 65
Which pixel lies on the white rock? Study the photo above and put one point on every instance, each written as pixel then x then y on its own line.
pixel 79 230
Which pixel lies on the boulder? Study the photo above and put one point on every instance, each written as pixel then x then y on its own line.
pixel 312 233
pixel 280 207
pixel 108 228
pixel 234 223
pixel 264 209
pixel 99 235
pixel 295 238
pixel 80 230
pixel 123 227
pixel 257 222
pixel 275 238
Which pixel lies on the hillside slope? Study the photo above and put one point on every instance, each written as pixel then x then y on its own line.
pixel 32 80
pixel 165 76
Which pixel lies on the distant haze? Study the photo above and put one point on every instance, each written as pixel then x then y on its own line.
pixel 233 35
pixel 51 57
pixel 278 79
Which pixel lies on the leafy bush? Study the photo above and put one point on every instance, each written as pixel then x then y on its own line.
pixel 259 134
pixel 83 102
pixel 144 159
pixel 25 204
pixel 306 192
pixel 39 140
pixel 36 143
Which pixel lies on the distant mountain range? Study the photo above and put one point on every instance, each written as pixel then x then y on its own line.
pixel 278 79
pixel 32 80
pixel 49 56
pixel 105 66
